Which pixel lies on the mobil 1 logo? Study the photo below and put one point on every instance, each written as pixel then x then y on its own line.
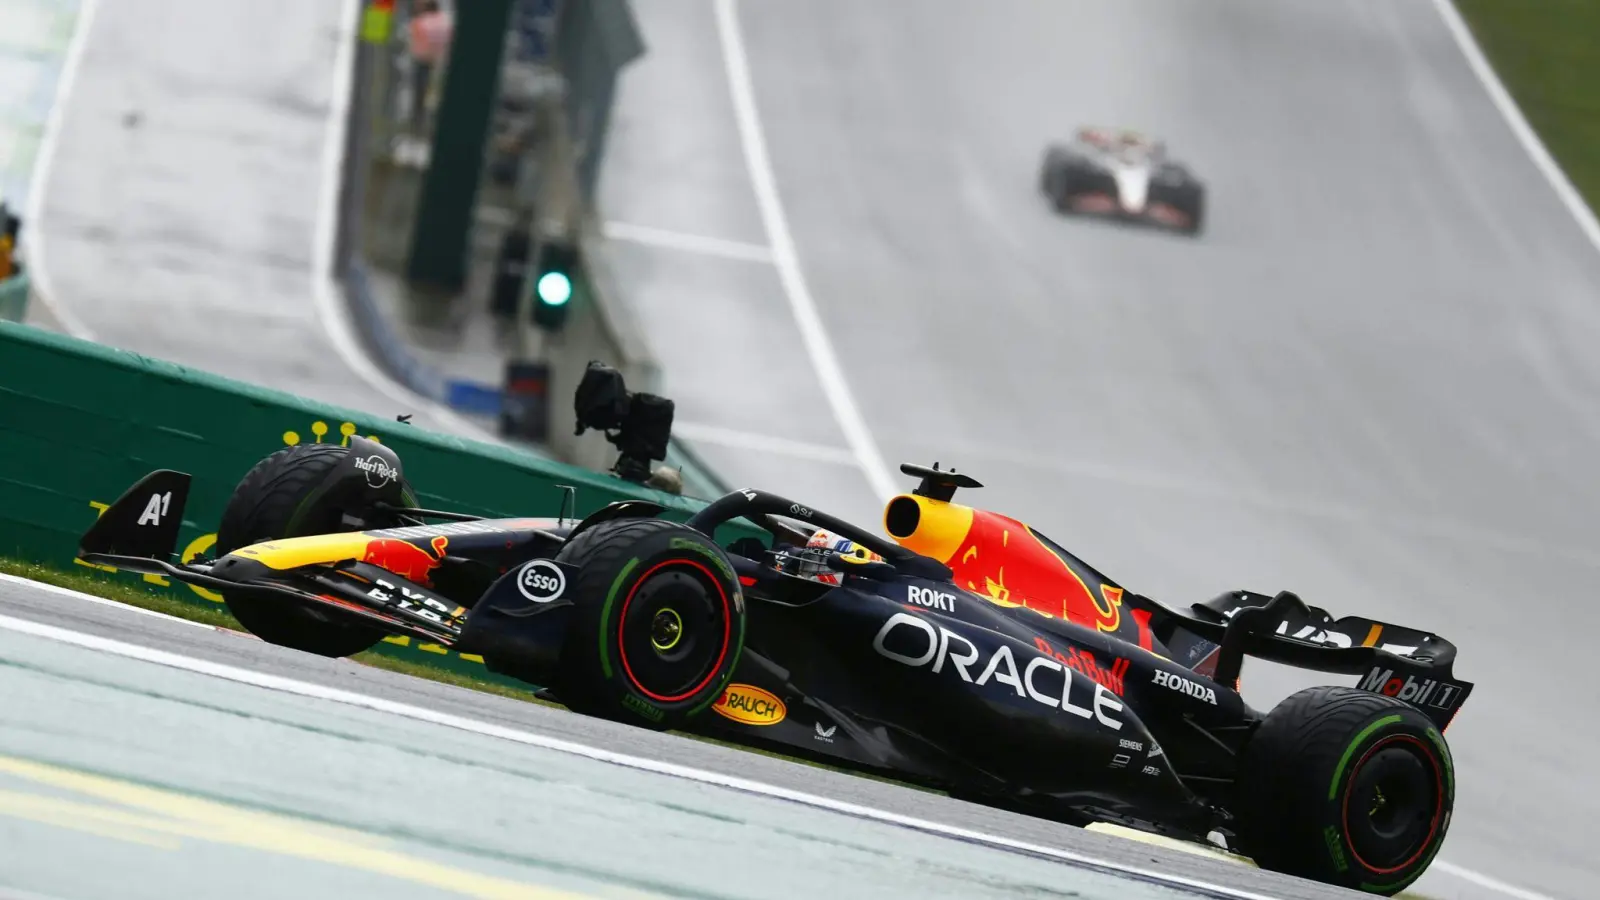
pixel 1413 690
pixel 541 581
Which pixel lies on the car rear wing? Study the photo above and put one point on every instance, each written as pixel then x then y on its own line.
pixel 1410 665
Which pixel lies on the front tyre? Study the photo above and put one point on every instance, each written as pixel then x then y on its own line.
pixel 657 624
pixel 275 500
pixel 1346 787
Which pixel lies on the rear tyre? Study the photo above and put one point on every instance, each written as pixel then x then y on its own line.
pixel 270 503
pixel 657 623
pixel 1346 787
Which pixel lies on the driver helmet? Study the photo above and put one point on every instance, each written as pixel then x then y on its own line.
pixel 813 560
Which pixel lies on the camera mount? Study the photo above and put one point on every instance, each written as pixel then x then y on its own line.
pixel 638 425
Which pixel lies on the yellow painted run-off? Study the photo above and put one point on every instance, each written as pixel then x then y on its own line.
pixel 1144 837
pixel 163 820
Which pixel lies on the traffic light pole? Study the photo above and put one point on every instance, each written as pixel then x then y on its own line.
pixel 555 215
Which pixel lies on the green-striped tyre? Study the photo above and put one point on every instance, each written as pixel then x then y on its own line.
pixel 657 625
pixel 1346 787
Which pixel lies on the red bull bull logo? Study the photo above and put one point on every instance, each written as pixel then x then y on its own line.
pixel 1006 561
pixel 406 559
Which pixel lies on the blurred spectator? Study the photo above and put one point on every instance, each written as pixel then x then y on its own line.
pixel 431 31
pixel 10 230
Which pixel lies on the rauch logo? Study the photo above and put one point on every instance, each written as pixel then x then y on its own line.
pixel 750 705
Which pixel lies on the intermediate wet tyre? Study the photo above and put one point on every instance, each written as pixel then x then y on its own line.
pixel 1346 787
pixel 271 502
pixel 657 625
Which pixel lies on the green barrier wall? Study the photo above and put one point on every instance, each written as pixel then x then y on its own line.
pixel 13 298
pixel 80 422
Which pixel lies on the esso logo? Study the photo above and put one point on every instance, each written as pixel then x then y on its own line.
pixel 541 581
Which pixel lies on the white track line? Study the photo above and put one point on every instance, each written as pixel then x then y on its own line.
pixel 762 443
pixel 1581 214
pixel 44 165
pixel 1535 148
pixel 784 257
pixel 689 243
pixel 486 729
pixel 1484 881
pixel 307 689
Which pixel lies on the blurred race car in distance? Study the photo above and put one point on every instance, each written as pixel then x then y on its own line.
pixel 1122 174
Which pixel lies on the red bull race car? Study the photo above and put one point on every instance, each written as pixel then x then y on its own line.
pixel 964 651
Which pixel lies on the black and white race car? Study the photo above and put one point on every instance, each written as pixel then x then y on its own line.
pixel 1123 175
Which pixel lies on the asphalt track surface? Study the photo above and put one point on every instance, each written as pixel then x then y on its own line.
pixel 184 201
pixel 1371 381
pixel 186 784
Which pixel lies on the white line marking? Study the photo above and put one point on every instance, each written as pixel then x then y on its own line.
pixel 1581 214
pixel 316 691
pixel 690 243
pixel 1519 126
pixel 44 165
pixel 325 291
pixel 19 581
pixel 744 440
pixel 1493 884
pixel 486 729
pixel 784 256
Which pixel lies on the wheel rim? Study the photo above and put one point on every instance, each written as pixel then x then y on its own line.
pixel 674 631
pixel 1393 804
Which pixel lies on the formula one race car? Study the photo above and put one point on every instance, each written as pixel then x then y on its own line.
pixel 968 653
pixel 1123 175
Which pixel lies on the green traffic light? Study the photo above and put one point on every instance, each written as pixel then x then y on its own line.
pixel 554 288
